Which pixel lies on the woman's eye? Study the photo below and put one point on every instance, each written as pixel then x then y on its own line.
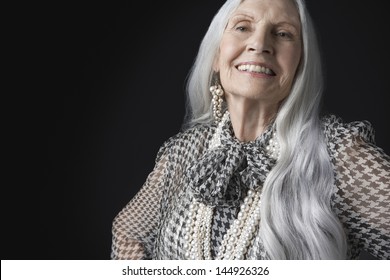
pixel 284 35
pixel 241 28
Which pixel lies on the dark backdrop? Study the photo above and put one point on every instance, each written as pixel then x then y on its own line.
pixel 101 86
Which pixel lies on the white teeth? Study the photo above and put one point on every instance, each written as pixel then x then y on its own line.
pixel 255 68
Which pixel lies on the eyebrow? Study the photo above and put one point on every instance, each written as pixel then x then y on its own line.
pixel 242 15
pixel 293 24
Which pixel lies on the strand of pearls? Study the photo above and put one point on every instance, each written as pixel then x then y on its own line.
pixel 198 232
pixel 239 236
pixel 237 239
pixel 273 148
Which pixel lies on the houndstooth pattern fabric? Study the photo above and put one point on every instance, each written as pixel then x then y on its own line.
pixel 134 227
pixel 151 225
pixel 218 178
pixel 362 179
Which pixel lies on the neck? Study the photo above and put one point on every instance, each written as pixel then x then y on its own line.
pixel 250 117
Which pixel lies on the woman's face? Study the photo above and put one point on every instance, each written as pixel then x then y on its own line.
pixel 260 50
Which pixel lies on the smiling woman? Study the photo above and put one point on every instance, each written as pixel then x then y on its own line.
pixel 257 172
pixel 257 60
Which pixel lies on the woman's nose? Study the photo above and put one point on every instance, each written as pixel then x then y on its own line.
pixel 260 42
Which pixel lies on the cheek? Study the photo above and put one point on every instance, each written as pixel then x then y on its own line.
pixel 228 50
pixel 291 61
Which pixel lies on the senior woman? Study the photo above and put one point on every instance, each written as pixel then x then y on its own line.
pixel 257 173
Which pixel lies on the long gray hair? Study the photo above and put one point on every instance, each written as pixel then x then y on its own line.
pixel 297 221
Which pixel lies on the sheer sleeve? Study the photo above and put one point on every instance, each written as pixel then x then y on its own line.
pixel 362 199
pixel 134 227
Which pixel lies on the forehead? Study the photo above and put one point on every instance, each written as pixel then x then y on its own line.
pixel 274 10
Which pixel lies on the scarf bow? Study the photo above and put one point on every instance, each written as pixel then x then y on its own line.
pixel 218 178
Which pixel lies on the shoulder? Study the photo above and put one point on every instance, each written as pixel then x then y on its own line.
pixel 190 140
pixel 337 130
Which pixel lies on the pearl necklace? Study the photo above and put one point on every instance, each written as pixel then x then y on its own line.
pixel 239 236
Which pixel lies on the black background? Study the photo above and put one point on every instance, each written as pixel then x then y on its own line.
pixel 96 88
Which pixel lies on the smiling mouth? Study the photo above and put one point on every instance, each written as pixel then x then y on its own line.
pixel 256 69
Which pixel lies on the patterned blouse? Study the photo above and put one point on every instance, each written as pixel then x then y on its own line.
pixel 152 225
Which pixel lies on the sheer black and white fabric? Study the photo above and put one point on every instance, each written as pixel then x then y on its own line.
pixel 362 178
pixel 151 225
pixel 134 228
pixel 138 225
